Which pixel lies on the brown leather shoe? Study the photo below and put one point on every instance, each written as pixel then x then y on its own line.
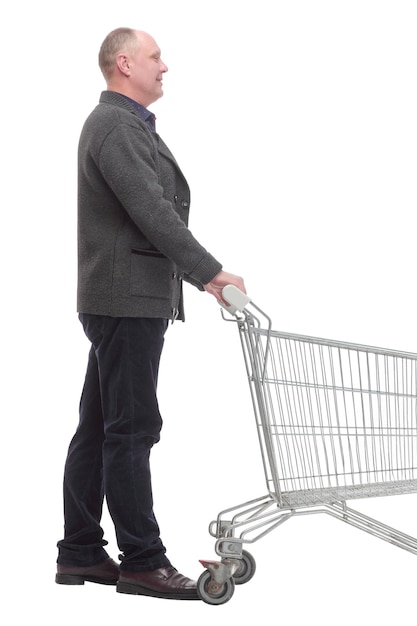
pixel 105 573
pixel 165 582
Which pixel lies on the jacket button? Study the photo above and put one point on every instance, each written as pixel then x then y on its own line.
pixel 185 204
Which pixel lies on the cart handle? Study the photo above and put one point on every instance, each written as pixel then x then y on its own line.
pixel 236 298
pixel 237 302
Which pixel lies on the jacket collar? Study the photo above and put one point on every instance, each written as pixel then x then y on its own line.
pixel 118 99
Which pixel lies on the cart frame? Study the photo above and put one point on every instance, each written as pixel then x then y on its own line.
pixel 336 421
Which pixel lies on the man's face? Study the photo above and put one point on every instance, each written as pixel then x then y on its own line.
pixel 147 70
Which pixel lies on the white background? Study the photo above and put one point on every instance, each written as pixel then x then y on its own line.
pixel 294 122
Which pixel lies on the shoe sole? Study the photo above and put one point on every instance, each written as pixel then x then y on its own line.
pixel 70 579
pixel 137 590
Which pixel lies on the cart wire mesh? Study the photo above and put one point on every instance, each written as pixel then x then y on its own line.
pixel 336 421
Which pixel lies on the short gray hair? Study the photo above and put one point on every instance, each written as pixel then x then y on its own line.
pixel 119 40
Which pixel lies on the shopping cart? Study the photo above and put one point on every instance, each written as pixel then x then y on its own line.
pixel 335 421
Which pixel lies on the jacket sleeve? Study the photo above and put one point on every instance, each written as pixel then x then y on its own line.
pixel 128 161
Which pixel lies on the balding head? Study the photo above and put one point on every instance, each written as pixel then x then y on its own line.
pixel 131 64
pixel 120 40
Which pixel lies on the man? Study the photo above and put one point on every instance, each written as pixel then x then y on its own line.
pixel 135 249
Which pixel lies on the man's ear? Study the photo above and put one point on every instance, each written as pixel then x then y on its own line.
pixel 123 64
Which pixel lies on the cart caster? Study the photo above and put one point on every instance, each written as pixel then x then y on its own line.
pixel 214 593
pixel 246 569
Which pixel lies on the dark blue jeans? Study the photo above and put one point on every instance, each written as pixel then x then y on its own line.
pixel 109 453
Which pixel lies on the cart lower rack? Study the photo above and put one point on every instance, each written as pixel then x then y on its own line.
pixel 336 422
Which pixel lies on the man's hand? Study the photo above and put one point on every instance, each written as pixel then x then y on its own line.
pixel 222 279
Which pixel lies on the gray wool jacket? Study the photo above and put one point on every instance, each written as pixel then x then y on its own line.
pixel 134 245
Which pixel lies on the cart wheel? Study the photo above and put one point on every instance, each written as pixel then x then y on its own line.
pixel 246 570
pixel 213 593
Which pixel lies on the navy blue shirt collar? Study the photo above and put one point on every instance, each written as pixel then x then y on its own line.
pixel 147 116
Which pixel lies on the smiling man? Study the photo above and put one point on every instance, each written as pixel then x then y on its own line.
pixel 137 71
pixel 134 252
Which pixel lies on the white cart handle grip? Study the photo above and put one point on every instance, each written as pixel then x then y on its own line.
pixel 236 299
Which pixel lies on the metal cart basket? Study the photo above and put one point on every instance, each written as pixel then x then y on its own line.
pixel 336 421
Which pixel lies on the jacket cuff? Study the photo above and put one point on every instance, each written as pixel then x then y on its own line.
pixel 206 269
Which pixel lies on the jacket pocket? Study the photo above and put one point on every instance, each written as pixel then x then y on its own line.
pixel 150 274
